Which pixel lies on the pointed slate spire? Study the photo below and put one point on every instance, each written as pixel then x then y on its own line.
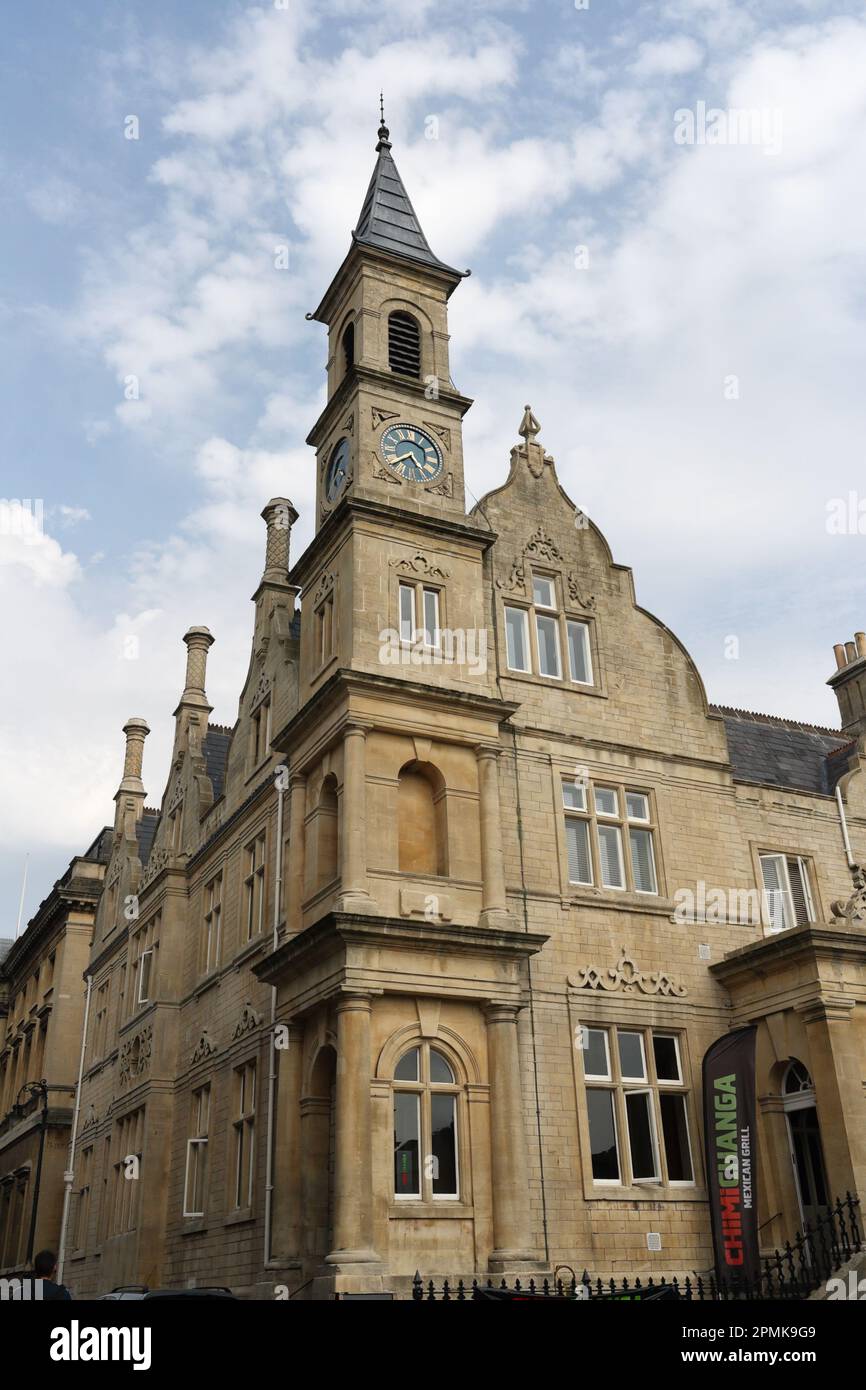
pixel 388 220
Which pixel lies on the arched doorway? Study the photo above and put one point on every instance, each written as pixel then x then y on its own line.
pixel 804 1136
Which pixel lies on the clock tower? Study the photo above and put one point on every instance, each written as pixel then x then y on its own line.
pixel 391 429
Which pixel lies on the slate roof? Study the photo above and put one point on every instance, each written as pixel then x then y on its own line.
pixel 783 752
pixel 100 850
pixel 144 833
pixel 388 220
pixel 216 753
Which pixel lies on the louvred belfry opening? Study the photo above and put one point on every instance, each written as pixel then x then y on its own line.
pixel 404 345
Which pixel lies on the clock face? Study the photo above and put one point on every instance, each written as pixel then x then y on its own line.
pixel 338 469
pixel 411 454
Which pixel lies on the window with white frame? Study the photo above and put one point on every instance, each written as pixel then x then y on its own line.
pixel 195 1180
pixel 787 892
pixel 637 1106
pixel 254 887
pixel 244 1126
pixel 213 922
pixel 419 606
pixel 609 836
pixel 426 1096
pixel 145 950
pixel 544 640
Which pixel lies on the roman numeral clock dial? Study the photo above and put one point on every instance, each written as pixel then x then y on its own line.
pixel 411 454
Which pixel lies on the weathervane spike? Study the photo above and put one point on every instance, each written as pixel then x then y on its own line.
pixel 384 142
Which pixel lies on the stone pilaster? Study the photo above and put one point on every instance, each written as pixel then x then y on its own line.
pixel 354 894
pixel 511 1219
pixel 353 1166
pixel 494 904
pixel 297 852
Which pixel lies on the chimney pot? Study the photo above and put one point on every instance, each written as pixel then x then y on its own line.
pixel 860 639
pixel 850 652
pixel 841 658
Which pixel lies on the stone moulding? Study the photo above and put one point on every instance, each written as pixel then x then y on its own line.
pixel 248 1022
pixel 135 1055
pixel 626 978
pixel 419 564
pixel 205 1047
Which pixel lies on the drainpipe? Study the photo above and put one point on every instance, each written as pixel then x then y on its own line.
pixel 272 1074
pixel 844 824
pixel 69 1175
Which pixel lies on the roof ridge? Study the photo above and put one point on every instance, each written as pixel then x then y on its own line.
pixel 778 719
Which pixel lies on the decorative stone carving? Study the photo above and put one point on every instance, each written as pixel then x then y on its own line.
pixel 379 415
pixel 441 430
pixel 380 471
pixel 326 585
pixel 445 488
pixel 852 909
pixel 575 595
pixel 135 1056
pixel 90 1119
pixel 516 580
pixel 248 1022
pixel 349 424
pixel 262 690
pixel 542 545
pixel 419 564
pixel 159 860
pixel 625 978
pixel 205 1047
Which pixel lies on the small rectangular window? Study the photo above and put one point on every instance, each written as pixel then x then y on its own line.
pixel 641 1137
pixel 144 969
pixel 543 591
pixel 667 1057
pixel 637 806
pixel 606 801
pixel 407 1143
pixel 610 856
pixel 407 613
pixel 675 1129
pixel 602 1135
pixel 580 663
pixel 431 618
pixel 574 796
pixel 596 1058
pixel 548 646
pixel 516 639
pixel 642 861
pixel 632 1062
pixel 579 858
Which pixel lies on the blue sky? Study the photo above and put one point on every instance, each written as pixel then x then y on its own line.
pixel 696 367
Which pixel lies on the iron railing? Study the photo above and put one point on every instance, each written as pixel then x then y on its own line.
pixel 796 1271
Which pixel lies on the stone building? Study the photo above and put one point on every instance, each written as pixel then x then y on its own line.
pixel 415 965
pixel 41 1016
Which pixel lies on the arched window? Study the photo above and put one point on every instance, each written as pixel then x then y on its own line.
pixel 421 821
pixel 404 344
pixel 348 346
pixel 797 1080
pixel 426 1092
pixel 326 837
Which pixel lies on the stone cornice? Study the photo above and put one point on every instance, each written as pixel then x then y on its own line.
pixel 800 944
pixel 348 682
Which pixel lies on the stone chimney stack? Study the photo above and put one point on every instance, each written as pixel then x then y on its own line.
pixel 280 516
pixel 129 798
pixel 849 683
pixel 193 710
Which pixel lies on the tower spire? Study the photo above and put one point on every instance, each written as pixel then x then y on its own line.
pixel 384 132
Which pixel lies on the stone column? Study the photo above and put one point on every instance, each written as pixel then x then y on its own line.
pixel 354 896
pixel 297 852
pixel 279 516
pixel 836 1067
pixel 286 1234
pixel 315 1114
pixel 511 1221
pixel 494 904
pixel 353 1166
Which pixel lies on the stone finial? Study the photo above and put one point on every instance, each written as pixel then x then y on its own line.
pixel 136 731
pixel 529 426
pixel 198 641
pixel 280 516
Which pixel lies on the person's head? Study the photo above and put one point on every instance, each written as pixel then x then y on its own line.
pixel 45 1264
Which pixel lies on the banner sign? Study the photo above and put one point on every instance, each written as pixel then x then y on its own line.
pixel 731 1148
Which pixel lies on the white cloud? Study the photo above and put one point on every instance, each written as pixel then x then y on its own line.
pixel 670 57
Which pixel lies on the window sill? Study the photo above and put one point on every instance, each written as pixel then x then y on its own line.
pixel 242 1217
pixel 618 897
pixel 444 1207
pixel 643 1192
pixel 568 685
pixel 249 948
pixel 326 666
pixel 193 1225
